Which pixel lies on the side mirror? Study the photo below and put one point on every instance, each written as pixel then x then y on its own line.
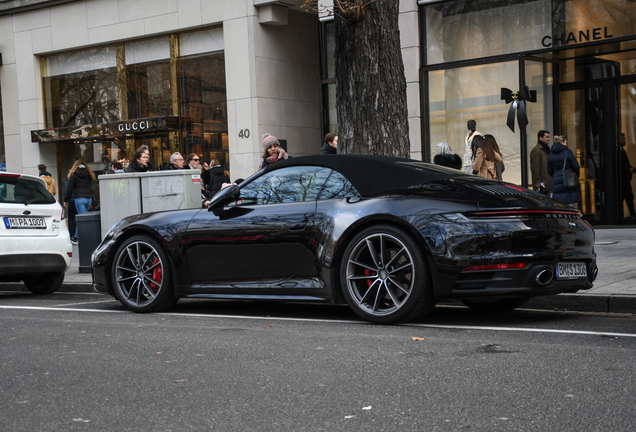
pixel 222 198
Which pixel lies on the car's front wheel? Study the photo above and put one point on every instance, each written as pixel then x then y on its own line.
pixel 385 276
pixel 45 284
pixel 141 275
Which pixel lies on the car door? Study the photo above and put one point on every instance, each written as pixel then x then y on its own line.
pixel 263 236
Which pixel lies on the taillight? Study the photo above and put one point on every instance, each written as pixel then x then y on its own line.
pixel 61 217
pixel 496 267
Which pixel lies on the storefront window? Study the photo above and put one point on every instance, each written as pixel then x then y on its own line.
pixel 473 93
pixel 148 78
pixel 585 21
pixel 467 29
pixel 204 106
pixel 328 79
pixel 81 88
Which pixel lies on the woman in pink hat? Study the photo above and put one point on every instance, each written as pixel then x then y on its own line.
pixel 273 152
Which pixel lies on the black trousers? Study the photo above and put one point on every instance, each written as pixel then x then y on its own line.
pixel 70 217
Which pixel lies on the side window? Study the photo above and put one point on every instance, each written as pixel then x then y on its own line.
pixel 286 185
pixel 337 186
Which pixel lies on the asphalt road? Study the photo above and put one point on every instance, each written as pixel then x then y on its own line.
pixel 80 362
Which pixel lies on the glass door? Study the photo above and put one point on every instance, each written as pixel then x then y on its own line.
pixel 627 148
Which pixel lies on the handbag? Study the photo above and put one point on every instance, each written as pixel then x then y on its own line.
pixel 570 179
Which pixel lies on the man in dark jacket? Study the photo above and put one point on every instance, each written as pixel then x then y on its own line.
pixel 539 163
pixel 176 162
pixel 330 146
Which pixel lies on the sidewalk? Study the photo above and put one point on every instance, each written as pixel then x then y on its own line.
pixel 614 290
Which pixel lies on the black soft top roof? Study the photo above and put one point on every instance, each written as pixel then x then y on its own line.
pixel 373 175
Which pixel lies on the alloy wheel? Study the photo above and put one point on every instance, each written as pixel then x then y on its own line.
pixel 139 273
pixel 380 274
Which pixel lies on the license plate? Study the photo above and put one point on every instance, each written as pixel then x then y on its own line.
pixel 571 270
pixel 25 222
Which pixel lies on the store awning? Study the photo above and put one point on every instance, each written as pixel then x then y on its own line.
pixel 106 131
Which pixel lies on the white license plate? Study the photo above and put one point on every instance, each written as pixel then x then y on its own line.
pixel 571 270
pixel 24 222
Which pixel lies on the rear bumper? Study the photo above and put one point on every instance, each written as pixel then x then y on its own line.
pixel 535 280
pixel 14 268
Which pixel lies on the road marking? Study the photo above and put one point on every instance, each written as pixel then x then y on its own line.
pixel 96 302
pixel 328 321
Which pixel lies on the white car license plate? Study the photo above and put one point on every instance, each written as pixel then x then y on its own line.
pixel 571 270
pixel 25 222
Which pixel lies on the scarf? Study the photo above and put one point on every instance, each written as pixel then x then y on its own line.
pixel 282 154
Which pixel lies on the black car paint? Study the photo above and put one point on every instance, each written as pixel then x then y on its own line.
pixel 251 251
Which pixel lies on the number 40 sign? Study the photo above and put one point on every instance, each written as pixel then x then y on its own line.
pixel 244 133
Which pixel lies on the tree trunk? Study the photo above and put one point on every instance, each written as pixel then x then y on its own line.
pixel 371 86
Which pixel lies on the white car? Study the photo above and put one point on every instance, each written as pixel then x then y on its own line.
pixel 35 246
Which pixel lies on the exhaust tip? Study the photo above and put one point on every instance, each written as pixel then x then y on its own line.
pixel 544 277
pixel 593 274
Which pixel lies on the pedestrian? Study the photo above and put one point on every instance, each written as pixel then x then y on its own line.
pixel 541 180
pixel 176 162
pixel 140 160
pixel 486 157
pixel 218 176
pixel 48 179
pixel 475 143
pixel 273 152
pixel 500 167
pixel 71 212
pixel 80 180
pixel 194 163
pixel 561 155
pixel 446 157
pixel 117 167
pixel 627 194
pixel 469 153
pixel 330 145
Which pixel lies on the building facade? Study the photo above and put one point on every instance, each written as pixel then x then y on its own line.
pixel 98 78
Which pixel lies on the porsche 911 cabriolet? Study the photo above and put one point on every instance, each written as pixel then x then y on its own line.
pixel 390 237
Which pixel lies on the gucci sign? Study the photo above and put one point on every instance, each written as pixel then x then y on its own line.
pixel 134 126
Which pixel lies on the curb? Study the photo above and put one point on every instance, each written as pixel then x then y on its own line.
pixel 611 303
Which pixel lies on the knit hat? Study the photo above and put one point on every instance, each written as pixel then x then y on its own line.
pixel 268 140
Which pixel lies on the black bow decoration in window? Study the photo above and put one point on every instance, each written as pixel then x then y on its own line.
pixel 518 105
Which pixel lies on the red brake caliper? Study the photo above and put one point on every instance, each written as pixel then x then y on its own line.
pixel 156 275
pixel 368 272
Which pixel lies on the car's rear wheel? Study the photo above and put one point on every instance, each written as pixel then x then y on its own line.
pixel 385 276
pixel 45 284
pixel 141 275
pixel 495 305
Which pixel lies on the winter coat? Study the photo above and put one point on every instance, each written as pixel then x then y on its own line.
pixel 468 153
pixel 133 166
pixel 327 149
pixel 486 168
pixel 451 161
pixel 48 179
pixel 539 166
pixel 500 167
pixel 217 178
pixel 79 184
pixel 555 166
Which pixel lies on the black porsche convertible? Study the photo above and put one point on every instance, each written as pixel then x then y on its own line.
pixel 388 236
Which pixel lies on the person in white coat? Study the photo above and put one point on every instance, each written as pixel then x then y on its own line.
pixel 468 153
